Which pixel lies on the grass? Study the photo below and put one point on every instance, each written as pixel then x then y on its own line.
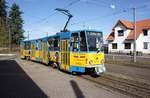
pixel 141 64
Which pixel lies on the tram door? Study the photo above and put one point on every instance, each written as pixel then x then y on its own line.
pixel 22 48
pixel 33 49
pixel 65 55
pixel 44 52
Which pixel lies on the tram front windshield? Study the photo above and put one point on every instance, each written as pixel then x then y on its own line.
pixel 94 41
pixel 91 41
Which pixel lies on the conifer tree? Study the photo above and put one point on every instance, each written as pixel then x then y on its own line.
pixel 16 24
pixel 3 23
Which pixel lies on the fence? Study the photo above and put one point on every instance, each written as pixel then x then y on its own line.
pixel 128 58
pixel 7 48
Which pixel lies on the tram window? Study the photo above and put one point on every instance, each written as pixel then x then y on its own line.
pixel 22 45
pixel 56 45
pixel 83 45
pixel 40 44
pixel 37 47
pixel 94 41
pixel 74 42
pixel 51 44
pixel 27 45
pixel 33 46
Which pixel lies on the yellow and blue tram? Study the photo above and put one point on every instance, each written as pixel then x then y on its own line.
pixel 72 51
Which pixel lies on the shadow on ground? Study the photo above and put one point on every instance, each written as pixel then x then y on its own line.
pixel 76 89
pixel 15 83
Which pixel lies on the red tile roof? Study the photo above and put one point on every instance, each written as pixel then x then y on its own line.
pixel 144 24
pixel 111 37
pixel 141 25
pixel 127 24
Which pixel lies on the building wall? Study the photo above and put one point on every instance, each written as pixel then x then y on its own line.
pixel 139 43
pixel 146 39
pixel 120 40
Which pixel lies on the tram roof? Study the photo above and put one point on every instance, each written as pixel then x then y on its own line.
pixel 62 33
pixel 92 30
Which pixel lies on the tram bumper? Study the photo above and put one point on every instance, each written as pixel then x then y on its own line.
pixel 99 69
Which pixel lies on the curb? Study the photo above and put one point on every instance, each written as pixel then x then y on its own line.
pixel 8 54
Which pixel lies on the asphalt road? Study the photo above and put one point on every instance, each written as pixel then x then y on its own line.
pixel 26 79
pixel 134 72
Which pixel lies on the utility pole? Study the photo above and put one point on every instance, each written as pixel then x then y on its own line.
pixel 134 48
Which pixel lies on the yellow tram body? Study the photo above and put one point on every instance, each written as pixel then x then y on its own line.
pixel 77 51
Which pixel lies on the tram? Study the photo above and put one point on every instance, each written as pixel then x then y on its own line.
pixel 76 51
pixel 72 51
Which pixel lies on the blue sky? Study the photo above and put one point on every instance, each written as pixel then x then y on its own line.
pixel 40 17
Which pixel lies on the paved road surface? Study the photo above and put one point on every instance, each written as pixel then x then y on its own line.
pixel 32 80
pixel 141 73
pixel 15 83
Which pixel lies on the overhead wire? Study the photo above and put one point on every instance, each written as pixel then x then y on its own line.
pixel 124 10
pixel 53 11
pixel 93 2
pixel 93 19
pixel 44 20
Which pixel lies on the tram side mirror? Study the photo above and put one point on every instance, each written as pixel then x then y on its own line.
pixel 72 40
pixel 71 43
pixel 98 51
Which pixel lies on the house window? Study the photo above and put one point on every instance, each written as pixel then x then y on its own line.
pixel 114 46
pixel 145 45
pixel 145 32
pixel 127 45
pixel 120 33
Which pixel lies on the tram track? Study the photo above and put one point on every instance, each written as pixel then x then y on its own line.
pixel 134 87
pixel 129 86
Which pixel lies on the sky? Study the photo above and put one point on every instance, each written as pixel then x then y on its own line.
pixel 41 18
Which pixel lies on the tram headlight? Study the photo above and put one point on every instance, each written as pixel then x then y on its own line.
pixel 86 61
pixel 102 61
pixel 90 62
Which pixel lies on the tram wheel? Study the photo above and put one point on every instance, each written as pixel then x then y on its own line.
pixel 74 73
pixel 94 73
pixel 54 65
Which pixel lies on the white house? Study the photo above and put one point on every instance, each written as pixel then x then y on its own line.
pixel 121 39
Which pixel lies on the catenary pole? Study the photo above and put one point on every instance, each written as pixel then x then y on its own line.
pixel 134 48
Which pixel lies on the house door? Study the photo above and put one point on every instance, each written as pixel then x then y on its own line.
pixel 65 55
